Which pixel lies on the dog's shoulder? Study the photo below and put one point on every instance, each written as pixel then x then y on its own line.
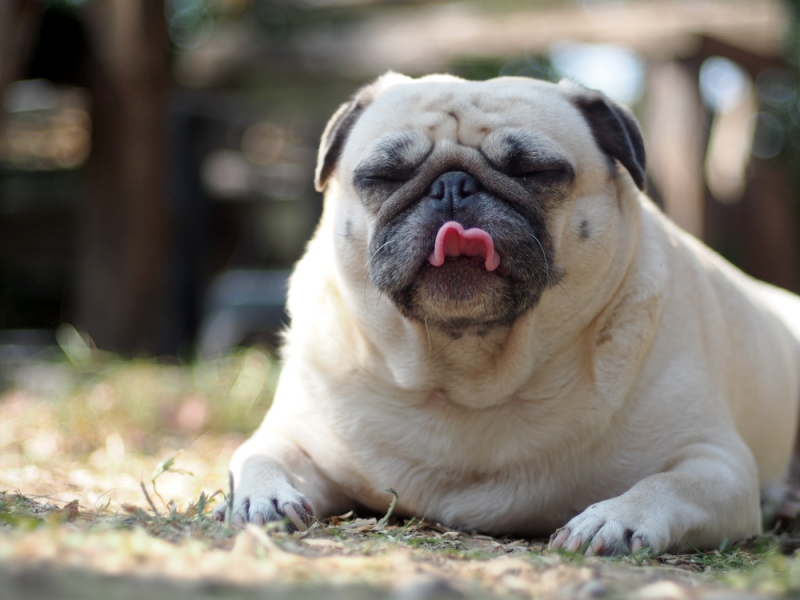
pixel 625 329
pixel 741 299
pixel 322 330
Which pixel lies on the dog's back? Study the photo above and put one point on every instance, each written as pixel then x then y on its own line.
pixel 784 304
pixel 756 334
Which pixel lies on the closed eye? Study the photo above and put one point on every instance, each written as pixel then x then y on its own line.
pixel 381 178
pixel 544 174
pixel 528 159
pixel 535 169
pixel 375 187
pixel 369 179
pixel 392 162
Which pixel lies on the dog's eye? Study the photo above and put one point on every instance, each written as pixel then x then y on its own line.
pixel 375 188
pixel 377 183
pixel 380 180
pixel 535 169
pixel 542 175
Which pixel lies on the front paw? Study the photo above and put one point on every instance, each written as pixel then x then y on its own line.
pixel 611 527
pixel 265 502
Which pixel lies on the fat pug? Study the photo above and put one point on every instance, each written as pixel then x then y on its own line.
pixel 495 321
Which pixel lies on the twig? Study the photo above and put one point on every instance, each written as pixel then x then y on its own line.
pixel 166 466
pixel 155 491
pixel 149 500
pixel 385 520
pixel 229 509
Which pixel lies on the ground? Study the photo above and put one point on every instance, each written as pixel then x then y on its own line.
pixel 109 470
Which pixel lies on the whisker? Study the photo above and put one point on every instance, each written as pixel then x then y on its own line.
pixel 491 347
pixel 381 247
pixel 430 344
pixel 566 293
pixel 452 339
pixel 544 256
pixel 601 245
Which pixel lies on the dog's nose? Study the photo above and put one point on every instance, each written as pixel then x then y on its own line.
pixel 454 189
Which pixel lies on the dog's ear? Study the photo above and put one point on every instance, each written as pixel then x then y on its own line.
pixel 614 127
pixel 336 132
pixel 341 124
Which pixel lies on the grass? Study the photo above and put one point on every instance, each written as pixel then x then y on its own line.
pixel 109 471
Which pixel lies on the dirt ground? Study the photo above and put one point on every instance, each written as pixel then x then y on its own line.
pixel 109 471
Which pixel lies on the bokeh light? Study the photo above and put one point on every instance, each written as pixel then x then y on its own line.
pixel 777 88
pixel 723 83
pixel 190 22
pixel 769 136
pixel 46 127
pixel 614 70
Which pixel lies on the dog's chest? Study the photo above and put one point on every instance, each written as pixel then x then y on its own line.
pixel 531 461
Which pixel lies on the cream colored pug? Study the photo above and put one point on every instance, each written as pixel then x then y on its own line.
pixel 495 321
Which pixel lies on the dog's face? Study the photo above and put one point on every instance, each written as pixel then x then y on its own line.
pixel 451 188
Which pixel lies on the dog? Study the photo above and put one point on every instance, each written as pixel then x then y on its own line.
pixel 493 320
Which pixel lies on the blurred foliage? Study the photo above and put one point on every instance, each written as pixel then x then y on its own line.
pixel 793 38
pixel 479 68
pixel 68 5
pixel 778 93
pixel 96 396
pixel 89 426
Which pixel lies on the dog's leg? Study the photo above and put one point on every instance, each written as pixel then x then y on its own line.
pixel 274 480
pixel 781 501
pixel 709 495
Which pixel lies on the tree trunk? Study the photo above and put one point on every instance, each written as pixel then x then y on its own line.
pixel 123 226
pixel 18 25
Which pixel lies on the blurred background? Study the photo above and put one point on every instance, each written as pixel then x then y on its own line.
pixel 156 156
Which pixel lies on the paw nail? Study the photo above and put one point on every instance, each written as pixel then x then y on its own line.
pixel 290 512
pixel 559 538
pixel 575 544
pixel 308 506
pixel 597 546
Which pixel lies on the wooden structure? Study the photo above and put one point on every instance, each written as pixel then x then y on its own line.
pixel 124 238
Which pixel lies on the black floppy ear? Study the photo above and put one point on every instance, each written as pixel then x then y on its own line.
pixel 614 127
pixel 336 132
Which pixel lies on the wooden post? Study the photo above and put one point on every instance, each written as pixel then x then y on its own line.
pixel 123 232
pixel 18 24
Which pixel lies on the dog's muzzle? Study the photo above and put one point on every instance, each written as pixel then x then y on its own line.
pixel 453 192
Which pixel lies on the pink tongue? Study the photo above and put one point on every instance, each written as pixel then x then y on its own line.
pixel 452 240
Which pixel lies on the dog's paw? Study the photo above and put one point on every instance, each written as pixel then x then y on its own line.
pixel 611 527
pixel 265 502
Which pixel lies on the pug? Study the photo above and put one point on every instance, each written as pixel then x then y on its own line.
pixel 494 321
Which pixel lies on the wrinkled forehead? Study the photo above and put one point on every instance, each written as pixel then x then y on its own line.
pixel 468 113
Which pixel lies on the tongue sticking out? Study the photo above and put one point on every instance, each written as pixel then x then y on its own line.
pixel 452 240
